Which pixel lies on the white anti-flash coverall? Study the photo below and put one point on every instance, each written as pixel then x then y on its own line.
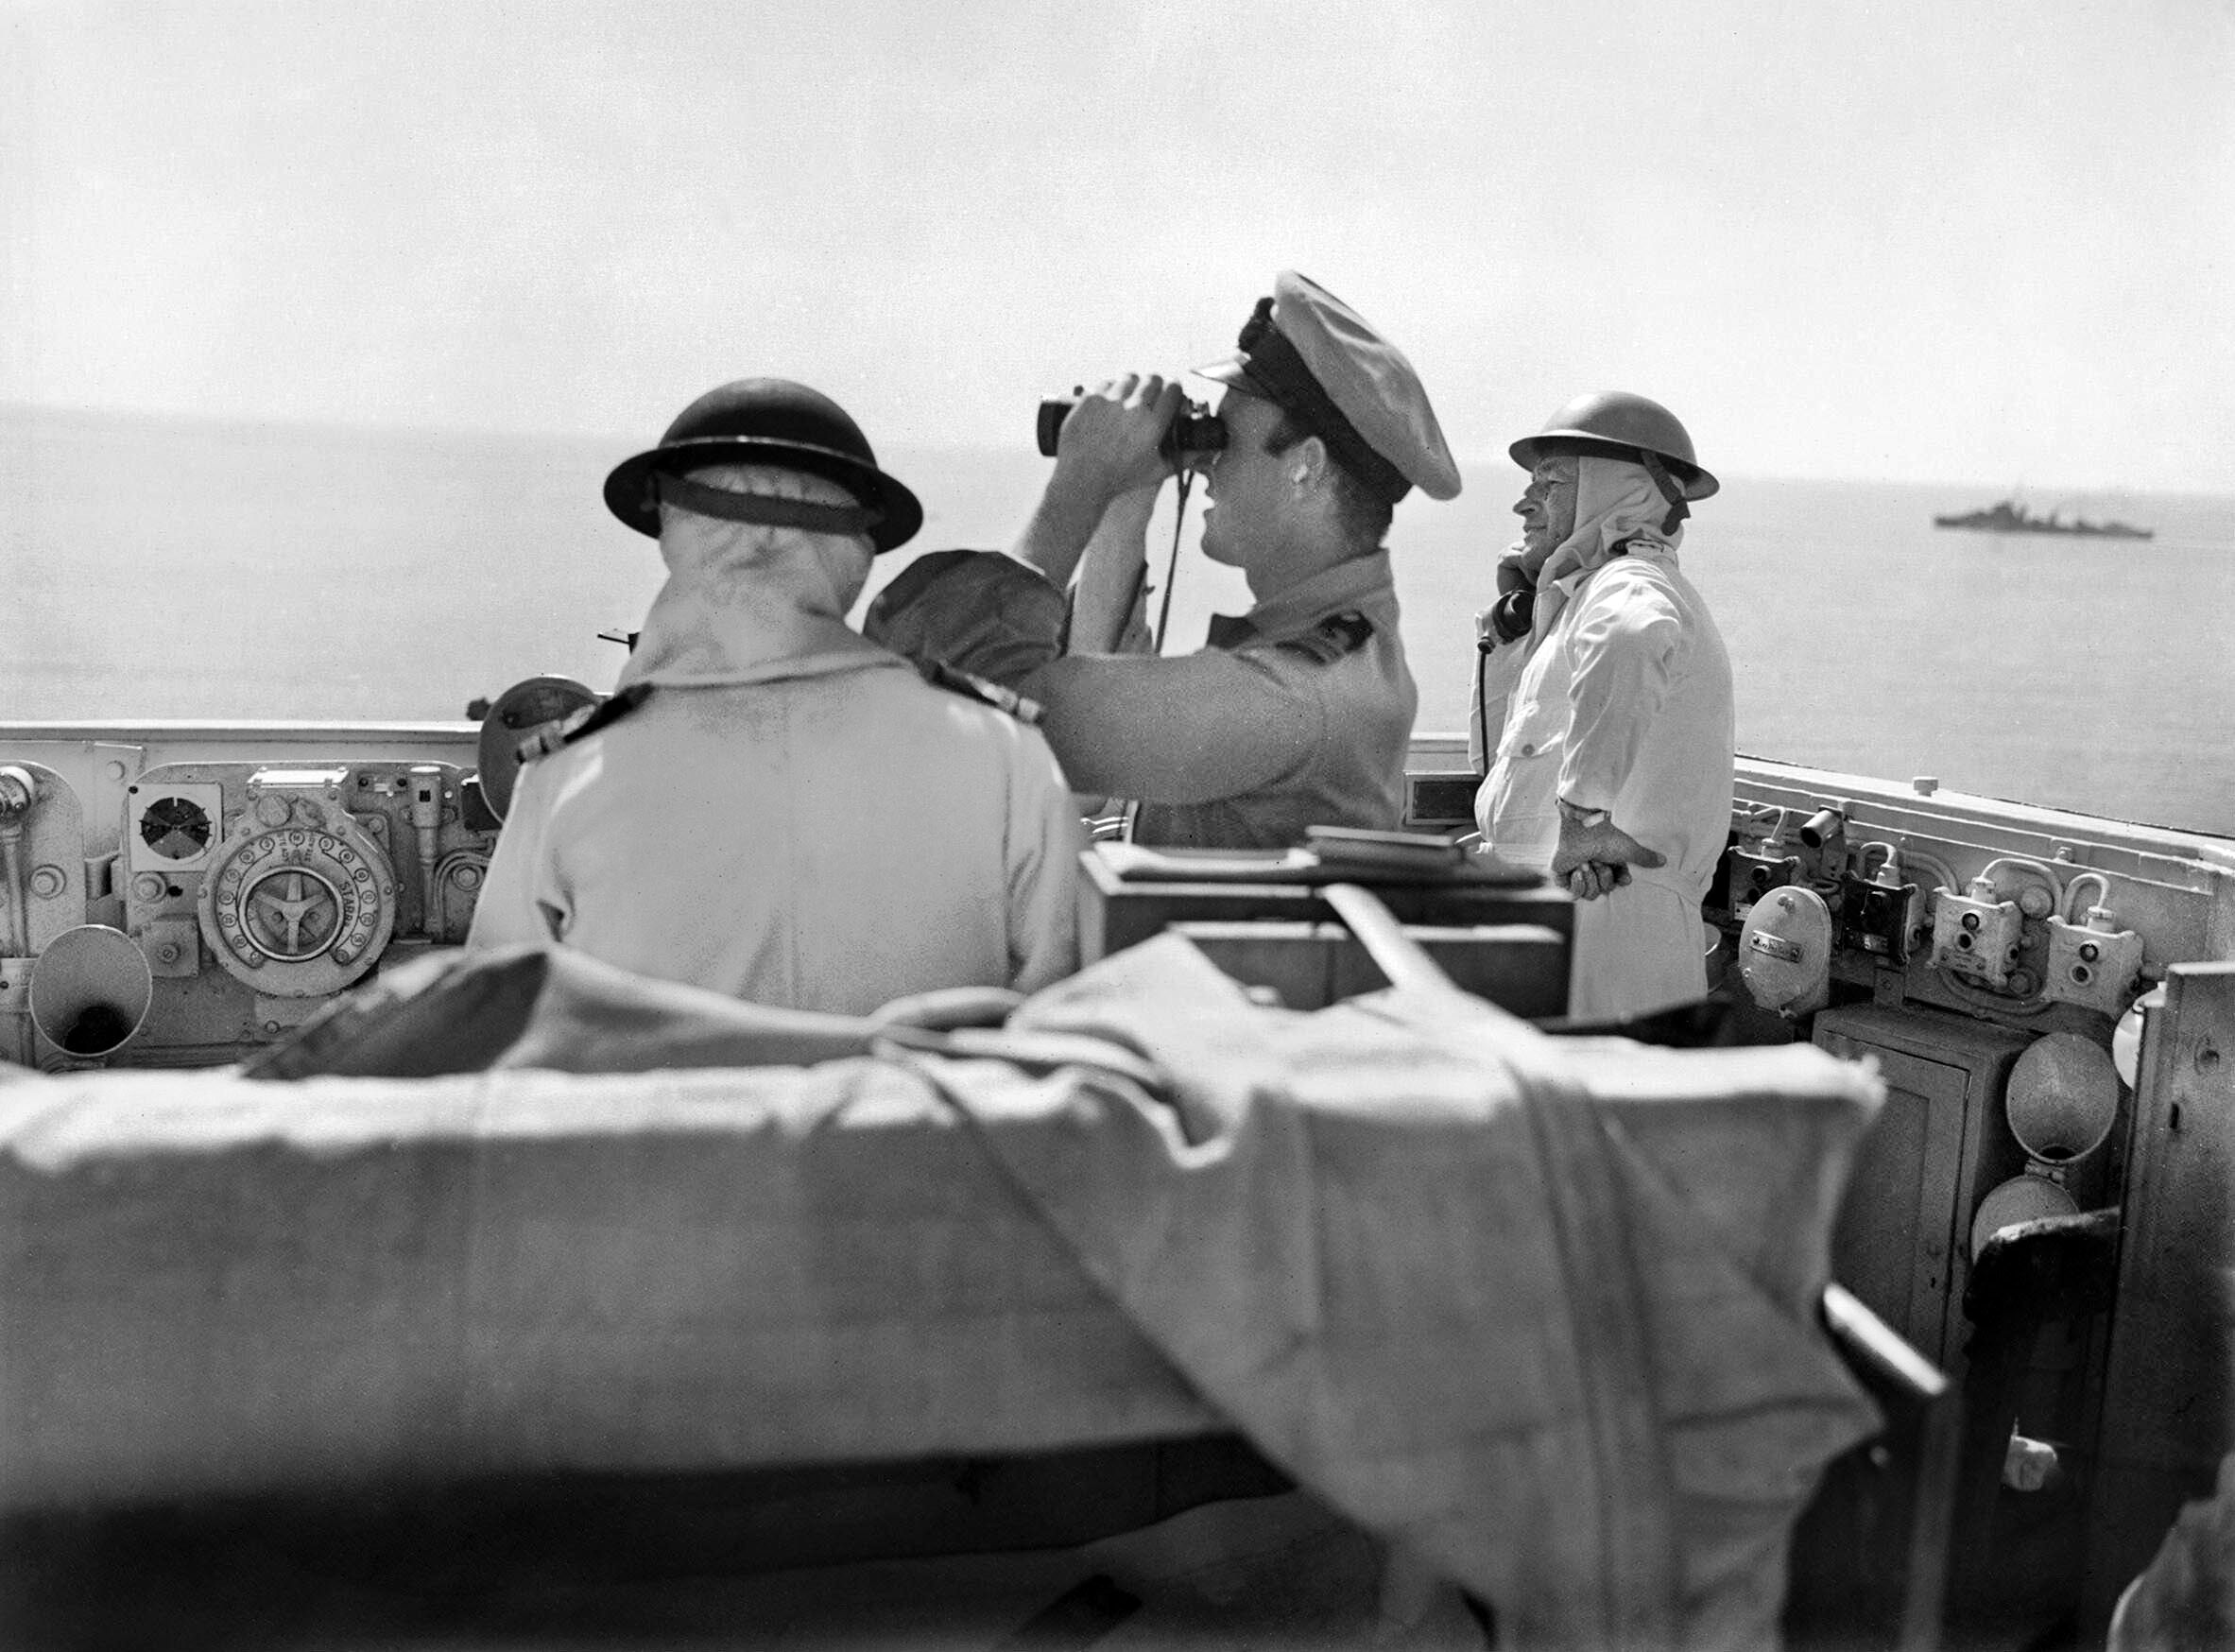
pixel 1619 699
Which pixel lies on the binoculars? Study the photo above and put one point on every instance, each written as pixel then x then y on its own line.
pixel 1193 429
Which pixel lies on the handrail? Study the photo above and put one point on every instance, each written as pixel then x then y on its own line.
pixel 1395 953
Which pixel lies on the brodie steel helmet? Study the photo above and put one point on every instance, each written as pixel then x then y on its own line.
pixel 1617 425
pixel 773 422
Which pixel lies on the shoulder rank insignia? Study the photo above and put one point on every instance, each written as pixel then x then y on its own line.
pixel 1333 637
pixel 983 689
pixel 587 721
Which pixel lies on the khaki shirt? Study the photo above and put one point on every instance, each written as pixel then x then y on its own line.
pixel 1300 719
pixel 823 842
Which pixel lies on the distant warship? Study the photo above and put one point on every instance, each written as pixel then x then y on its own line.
pixel 2008 516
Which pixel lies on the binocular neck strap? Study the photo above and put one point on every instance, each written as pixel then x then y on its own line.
pixel 766 509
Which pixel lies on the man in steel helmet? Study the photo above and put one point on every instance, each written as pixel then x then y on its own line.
pixel 727 818
pixel 1298 714
pixel 1603 705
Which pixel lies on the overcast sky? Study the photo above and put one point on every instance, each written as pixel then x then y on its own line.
pixel 1914 239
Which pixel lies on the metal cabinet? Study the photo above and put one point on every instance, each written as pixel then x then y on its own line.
pixel 1902 1242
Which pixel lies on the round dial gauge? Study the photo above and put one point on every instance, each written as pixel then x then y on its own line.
pixel 300 911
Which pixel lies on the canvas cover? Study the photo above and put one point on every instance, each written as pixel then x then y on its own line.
pixel 1539 1311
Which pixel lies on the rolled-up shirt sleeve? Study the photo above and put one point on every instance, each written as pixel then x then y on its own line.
pixel 1045 837
pixel 1624 652
pixel 1189 729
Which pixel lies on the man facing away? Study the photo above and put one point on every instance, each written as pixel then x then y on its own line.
pixel 1299 713
pixel 770 805
pixel 1604 701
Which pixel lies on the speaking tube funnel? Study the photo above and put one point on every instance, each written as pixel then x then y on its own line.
pixel 2023 1198
pixel 90 990
pixel 2063 1098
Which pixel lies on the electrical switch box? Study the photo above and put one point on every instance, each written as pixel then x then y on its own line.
pixel 1976 940
pixel 2093 967
pixel 1874 919
pixel 1753 876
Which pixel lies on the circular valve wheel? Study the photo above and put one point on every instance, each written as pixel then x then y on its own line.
pixel 300 911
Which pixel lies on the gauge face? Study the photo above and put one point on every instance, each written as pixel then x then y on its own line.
pixel 300 911
pixel 175 828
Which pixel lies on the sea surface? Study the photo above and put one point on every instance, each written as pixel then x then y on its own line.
pixel 167 568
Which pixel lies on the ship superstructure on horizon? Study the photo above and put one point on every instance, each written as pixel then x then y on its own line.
pixel 2008 516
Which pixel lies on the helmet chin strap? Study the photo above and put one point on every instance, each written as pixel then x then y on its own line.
pixel 1670 487
pixel 766 509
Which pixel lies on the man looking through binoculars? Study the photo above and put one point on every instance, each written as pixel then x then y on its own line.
pixel 1296 714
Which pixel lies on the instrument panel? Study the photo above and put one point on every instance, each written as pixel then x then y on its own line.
pixel 214 903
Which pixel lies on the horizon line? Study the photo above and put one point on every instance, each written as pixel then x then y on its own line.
pixel 623 444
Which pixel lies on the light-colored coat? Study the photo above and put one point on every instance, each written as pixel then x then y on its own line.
pixel 1621 702
pixel 793 816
